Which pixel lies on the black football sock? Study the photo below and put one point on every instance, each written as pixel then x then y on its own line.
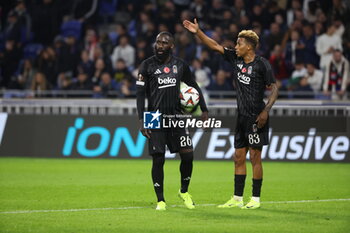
pixel 186 166
pixel 158 175
pixel 257 183
pixel 239 184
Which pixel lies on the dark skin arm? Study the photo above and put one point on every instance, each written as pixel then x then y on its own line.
pixel 145 132
pixel 263 116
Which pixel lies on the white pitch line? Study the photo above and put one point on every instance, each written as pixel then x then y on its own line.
pixel 145 207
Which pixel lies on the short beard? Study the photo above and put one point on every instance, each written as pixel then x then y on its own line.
pixel 164 56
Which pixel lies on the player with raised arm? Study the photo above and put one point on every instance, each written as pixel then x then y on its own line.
pixel 159 81
pixel 253 74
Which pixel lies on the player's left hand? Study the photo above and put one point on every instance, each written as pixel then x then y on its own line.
pixel 262 118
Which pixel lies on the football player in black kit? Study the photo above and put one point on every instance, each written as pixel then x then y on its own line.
pixel 252 75
pixel 159 81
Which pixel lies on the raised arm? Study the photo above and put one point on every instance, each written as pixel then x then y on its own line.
pixel 194 28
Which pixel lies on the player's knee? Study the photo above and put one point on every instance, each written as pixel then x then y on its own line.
pixel 158 160
pixel 255 157
pixel 239 159
pixel 186 156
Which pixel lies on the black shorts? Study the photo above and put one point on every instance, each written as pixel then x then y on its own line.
pixel 175 139
pixel 249 135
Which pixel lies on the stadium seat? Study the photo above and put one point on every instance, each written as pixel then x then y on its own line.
pixel 107 9
pixel 32 50
pixel 71 28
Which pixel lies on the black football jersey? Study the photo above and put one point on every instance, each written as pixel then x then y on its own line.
pixel 250 81
pixel 160 84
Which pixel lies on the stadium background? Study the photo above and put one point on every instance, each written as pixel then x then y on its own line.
pixel 68 61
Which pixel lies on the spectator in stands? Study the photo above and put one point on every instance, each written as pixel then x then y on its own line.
pixel 274 37
pixel 127 87
pixel 201 74
pixel 26 75
pixel 314 77
pixel 47 64
pixel 25 20
pixel 68 56
pixel 326 44
pixel 64 81
pixel 185 48
pixel 82 83
pixel 100 68
pixel 167 16
pixel 216 12
pixel 90 42
pixel 199 8
pixel 298 73
pixel 99 54
pixel 13 27
pixel 291 12
pixel 125 51
pixel 106 44
pixel 121 71
pixel 279 64
pixel 256 15
pixel 39 83
pixel 143 50
pixel 303 90
pixel 310 10
pixel 309 41
pixel 272 9
pixel 9 62
pixel 46 15
pixel 238 10
pixel 336 76
pixel 294 48
pixel 220 83
pixel 85 65
pixel 106 85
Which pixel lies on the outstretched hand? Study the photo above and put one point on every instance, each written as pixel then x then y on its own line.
pixel 192 27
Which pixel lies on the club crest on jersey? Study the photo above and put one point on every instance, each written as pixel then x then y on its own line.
pixel 244 70
pixel 250 69
pixel 166 70
pixel 174 69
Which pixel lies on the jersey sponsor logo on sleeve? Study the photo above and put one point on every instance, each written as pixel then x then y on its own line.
pixel 166 70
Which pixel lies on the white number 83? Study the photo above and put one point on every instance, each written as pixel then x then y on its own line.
pixel 253 138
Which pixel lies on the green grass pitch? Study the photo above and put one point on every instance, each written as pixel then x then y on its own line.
pixel 91 194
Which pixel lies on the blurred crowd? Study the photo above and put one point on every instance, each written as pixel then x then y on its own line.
pixel 98 45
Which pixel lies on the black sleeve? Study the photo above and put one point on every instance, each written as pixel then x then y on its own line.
pixel 189 80
pixel 268 73
pixel 229 55
pixel 141 90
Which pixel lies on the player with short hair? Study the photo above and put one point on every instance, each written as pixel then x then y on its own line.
pixel 253 74
pixel 159 81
